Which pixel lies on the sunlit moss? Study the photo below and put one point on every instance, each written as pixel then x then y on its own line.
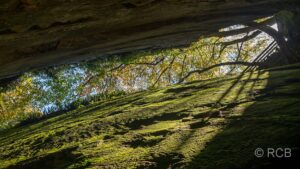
pixel 180 126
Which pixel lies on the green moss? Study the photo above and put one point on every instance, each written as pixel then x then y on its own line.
pixel 214 124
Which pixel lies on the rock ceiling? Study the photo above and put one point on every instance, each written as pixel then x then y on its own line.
pixel 41 33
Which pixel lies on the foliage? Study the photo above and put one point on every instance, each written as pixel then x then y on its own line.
pixel 68 87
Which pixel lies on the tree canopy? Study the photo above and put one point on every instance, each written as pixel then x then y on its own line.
pixel 67 87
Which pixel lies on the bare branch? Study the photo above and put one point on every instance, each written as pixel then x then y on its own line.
pixel 214 49
pixel 182 66
pixel 222 50
pixel 279 38
pixel 118 67
pixel 199 71
pixel 154 63
pixel 270 21
pixel 239 49
pixel 169 66
pixel 244 39
pixel 91 77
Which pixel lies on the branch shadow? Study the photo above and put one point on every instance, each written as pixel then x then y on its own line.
pixel 270 122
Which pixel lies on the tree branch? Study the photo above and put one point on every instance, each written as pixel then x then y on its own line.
pixel 214 49
pixel 118 67
pixel 169 66
pixel 182 66
pixel 154 63
pixel 239 49
pixel 244 39
pixel 270 21
pixel 278 37
pixel 199 71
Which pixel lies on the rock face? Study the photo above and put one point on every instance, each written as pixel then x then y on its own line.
pixel 42 33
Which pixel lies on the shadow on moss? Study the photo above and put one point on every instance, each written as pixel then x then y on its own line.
pixel 270 123
pixel 59 160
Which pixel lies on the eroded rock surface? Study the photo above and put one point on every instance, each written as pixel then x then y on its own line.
pixel 42 33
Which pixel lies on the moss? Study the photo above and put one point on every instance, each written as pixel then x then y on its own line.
pixel 213 124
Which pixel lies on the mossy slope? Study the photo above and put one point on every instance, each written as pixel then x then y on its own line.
pixel 216 123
